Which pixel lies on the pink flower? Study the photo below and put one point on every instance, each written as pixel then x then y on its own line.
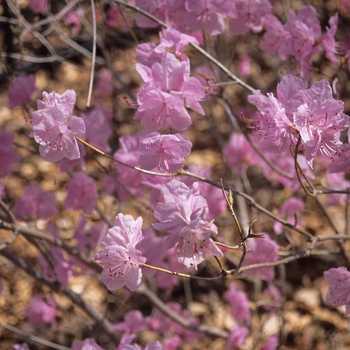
pixel 239 303
pixel 215 200
pixel 164 325
pixel 55 128
pixel 86 344
pixel 304 29
pixel 120 258
pixel 328 40
pixel 339 291
pixel 164 152
pixel 62 269
pixel 81 193
pixel 208 15
pixel 158 109
pixel 238 153
pixel 271 343
pixel 21 91
pixel 262 250
pixel 168 86
pixel 104 84
pixel 237 337
pixel 98 128
pixel 124 180
pixel 74 18
pixel 38 6
pixel 173 38
pixel 38 312
pixel 133 322
pixel 320 120
pixel 23 346
pixel 274 36
pixel 288 211
pixel 248 14
pixel 35 203
pixel 169 11
pixel 8 156
pixel 182 212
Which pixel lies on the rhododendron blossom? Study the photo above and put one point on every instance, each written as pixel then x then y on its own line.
pixel 81 193
pixel 248 14
pixel 168 86
pixel 164 152
pixel 55 128
pixel 182 212
pixel 312 113
pixel 38 312
pixel 339 283
pixel 262 250
pixel 239 303
pixel 288 211
pixel 237 337
pixel 120 258
pixel 86 344
pixel 21 91
pixel 35 203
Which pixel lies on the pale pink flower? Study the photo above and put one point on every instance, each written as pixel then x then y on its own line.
pixel 328 41
pixel 81 193
pixel 290 211
pixel 38 312
pixel 21 90
pixel 262 250
pixel 62 270
pixel 8 156
pixel 55 128
pixel 173 38
pixel 120 258
pixel 304 29
pixel 271 343
pixel 183 212
pixel 124 180
pixel 239 303
pixel 339 283
pixel 168 87
pixel 238 153
pixel 73 18
pixel 164 325
pixel 320 120
pixel 86 344
pixel 35 203
pixel 215 199
pixel 274 36
pixel 98 128
pixel 159 109
pixel 237 337
pixel 164 152
pixel 133 322
pixel 146 54
pixel 23 346
pixel 169 11
pixel 208 15
pixel 38 6
pixel 104 84
pixel 248 14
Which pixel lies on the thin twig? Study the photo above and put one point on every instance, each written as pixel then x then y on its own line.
pixel 28 336
pixel 93 61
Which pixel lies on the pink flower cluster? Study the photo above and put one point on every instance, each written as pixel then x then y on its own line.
pixel 183 212
pixel 313 114
pixel 301 37
pixel 120 258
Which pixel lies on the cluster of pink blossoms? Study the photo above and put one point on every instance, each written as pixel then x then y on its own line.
pixel 311 114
